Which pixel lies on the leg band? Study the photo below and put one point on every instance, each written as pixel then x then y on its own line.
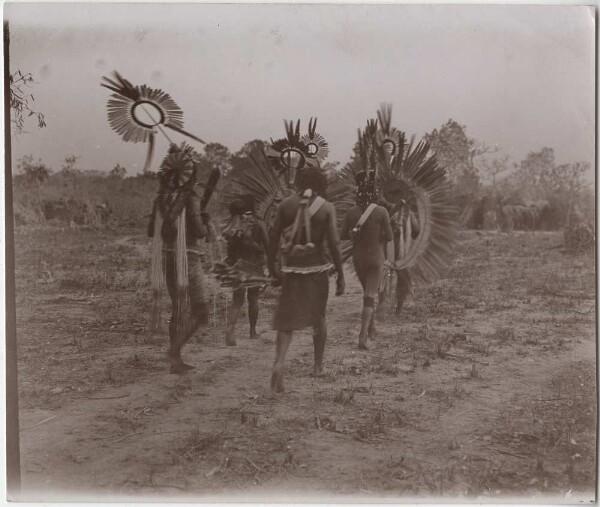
pixel 369 302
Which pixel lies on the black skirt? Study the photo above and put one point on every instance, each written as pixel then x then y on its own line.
pixel 303 301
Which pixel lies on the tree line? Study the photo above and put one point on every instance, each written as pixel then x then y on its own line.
pixel 489 190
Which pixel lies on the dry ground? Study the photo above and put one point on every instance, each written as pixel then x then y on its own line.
pixel 483 387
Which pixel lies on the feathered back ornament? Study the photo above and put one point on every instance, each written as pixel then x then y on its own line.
pixel 255 175
pixel 135 112
pixel 408 180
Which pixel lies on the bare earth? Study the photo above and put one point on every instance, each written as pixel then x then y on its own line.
pixel 483 387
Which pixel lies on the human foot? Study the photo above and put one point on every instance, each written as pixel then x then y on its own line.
pixel 277 381
pixel 318 371
pixel 230 340
pixel 180 368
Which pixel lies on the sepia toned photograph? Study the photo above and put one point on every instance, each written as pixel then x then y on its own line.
pixel 300 253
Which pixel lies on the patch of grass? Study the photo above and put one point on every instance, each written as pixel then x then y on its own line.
pixel 344 396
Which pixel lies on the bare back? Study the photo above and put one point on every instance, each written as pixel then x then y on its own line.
pixel 370 241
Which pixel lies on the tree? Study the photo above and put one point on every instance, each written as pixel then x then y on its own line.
pixel 70 171
pixel 538 177
pixel 457 153
pixel 491 169
pixel 118 171
pixel 249 148
pixel 34 173
pixel 536 168
pixel 20 102
pixel 218 156
pixel 69 168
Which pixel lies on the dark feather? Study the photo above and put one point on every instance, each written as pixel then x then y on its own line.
pixel 185 133
pixel 150 153
pixel 211 184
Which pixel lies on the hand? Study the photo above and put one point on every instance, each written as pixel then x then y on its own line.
pixel 340 285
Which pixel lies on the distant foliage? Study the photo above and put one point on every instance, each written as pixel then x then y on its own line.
pixel 69 167
pixel 33 173
pixel 249 148
pixel 21 102
pixel 218 156
pixel 118 171
pixel 457 153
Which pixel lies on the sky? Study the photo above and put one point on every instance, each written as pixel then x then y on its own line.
pixel 521 77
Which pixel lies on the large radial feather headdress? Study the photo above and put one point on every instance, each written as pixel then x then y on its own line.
pixel 406 175
pixel 135 112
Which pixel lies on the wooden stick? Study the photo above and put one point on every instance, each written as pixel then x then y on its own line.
pixel 466 358
pixel 510 453
pixel 252 463
pixel 40 423
pixel 108 397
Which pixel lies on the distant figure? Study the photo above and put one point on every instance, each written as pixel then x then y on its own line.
pixel 179 203
pixel 368 225
pixel 247 245
pixel 307 222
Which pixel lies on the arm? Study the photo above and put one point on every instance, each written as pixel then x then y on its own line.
pixel 333 242
pixel 386 232
pixel 263 237
pixel 273 243
pixel 346 228
pixel 194 216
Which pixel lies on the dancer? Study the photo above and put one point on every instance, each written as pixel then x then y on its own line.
pixel 177 224
pixel 307 222
pixel 368 225
pixel 247 245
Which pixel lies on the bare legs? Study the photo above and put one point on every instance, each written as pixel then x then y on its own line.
pixel 284 339
pixel 178 339
pixel 319 340
pixel 238 302
pixel 366 325
pixel 253 310
pixel 283 343
pixel 402 289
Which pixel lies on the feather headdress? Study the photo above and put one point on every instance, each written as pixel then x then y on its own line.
pixel 316 145
pixel 289 155
pixel 269 174
pixel 134 112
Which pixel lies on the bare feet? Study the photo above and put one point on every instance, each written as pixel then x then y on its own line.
pixel 372 328
pixel 230 339
pixel 173 358
pixel 318 371
pixel 180 368
pixel 254 335
pixel 277 380
pixel 362 346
